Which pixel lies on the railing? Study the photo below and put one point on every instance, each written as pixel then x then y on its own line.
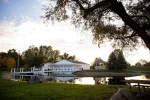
pixel 32 69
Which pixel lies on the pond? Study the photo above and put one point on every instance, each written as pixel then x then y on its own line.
pixel 81 80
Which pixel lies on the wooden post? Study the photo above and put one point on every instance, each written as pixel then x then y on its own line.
pixel 129 85
pixel 31 69
pixel 139 87
pixel 20 69
pixel 14 70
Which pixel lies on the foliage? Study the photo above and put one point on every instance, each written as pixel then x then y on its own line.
pixel 3 62
pixel 147 64
pixel 67 57
pixel 112 62
pixel 122 64
pixel 102 18
pixel 11 63
pixel 35 56
pixel 141 62
pixel 116 60
pixel 13 54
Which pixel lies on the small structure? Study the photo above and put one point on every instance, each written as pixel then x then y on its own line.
pixel 99 64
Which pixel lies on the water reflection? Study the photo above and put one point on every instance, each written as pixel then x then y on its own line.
pixel 83 80
pixel 142 77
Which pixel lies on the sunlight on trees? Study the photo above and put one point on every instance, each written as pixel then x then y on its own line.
pixel 10 63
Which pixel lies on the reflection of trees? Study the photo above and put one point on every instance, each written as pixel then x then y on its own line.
pixel 147 76
pixel 116 80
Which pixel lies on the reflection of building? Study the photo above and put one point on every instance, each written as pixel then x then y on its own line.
pixel 101 80
pixel 63 67
pixel 99 64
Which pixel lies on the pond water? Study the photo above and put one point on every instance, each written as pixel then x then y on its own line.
pixel 83 80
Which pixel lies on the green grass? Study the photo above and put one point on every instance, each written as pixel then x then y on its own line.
pixel 128 70
pixel 11 90
pixel 138 69
pixel 115 71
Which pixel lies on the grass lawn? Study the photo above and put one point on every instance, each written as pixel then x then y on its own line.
pixel 128 70
pixel 11 90
pixel 107 70
pixel 139 69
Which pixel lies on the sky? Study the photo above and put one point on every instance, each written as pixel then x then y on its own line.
pixel 21 26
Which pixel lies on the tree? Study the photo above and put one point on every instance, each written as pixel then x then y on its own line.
pixel 55 56
pixel 121 62
pixel 35 56
pixel 112 62
pixel 101 16
pixel 3 62
pixel 67 57
pixel 116 60
pixel 10 63
pixel 29 55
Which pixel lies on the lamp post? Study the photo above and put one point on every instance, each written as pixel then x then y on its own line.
pixel 18 59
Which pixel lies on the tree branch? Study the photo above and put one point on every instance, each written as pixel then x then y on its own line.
pixel 146 26
pixel 78 2
pixel 98 5
pixel 128 37
pixel 142 16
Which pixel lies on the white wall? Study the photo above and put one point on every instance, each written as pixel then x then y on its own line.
pixel 100 67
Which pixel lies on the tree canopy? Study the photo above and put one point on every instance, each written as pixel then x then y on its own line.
pixel 67 57
pixel 116 60
pixel 33 56
pixel 124 22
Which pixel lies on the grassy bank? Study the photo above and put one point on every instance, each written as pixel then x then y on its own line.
pixel 128 70
pixel 139 69
pixel 10 90
pixel 106 70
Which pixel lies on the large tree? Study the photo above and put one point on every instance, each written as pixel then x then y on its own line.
pixel 112 62
pixel 116 60
pixel 121 62
pixel 103 18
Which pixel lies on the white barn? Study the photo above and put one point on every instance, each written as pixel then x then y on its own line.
pixel 63 67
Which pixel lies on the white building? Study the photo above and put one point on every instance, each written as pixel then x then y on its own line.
pixel 63 67
pixel 99 64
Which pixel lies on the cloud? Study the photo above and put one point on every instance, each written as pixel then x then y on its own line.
pixel 62 36
pixel 6 1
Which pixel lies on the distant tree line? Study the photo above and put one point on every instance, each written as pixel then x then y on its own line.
pixel 33 56
pixel 142 63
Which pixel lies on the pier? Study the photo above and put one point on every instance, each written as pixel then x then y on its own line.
pixel 29 71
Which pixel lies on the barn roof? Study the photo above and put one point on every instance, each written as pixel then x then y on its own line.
pixel 99 61
pixel 79 62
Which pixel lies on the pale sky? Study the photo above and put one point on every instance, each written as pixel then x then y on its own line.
pixel 21 27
